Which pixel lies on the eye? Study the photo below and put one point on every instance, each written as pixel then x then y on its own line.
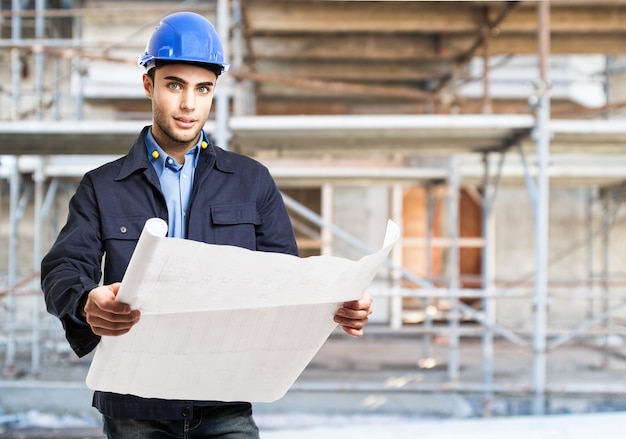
pixel 174 85
pixel 204 89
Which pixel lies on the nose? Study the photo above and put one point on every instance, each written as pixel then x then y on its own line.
pixel 188 100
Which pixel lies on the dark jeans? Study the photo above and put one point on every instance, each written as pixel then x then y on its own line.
pixel 224 423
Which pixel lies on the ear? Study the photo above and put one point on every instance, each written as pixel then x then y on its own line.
pixel 147 85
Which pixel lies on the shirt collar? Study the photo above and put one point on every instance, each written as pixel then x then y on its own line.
pixel 138 159
pixel 159 158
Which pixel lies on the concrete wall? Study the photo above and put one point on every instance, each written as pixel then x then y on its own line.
pixel 568 253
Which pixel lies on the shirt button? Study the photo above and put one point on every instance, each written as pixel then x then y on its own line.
pixel 185 412
pixel 123 229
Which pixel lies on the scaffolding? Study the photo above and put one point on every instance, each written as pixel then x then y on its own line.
pixel 34 178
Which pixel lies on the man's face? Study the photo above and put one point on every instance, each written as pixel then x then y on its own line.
pixel 181 96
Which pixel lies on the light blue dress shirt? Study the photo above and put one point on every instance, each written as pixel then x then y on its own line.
pixel 176 183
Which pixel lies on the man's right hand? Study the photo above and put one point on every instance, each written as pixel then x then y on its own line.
pixel 105 315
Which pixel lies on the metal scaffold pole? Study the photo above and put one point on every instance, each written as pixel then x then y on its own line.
pixel 490 188
pixel 10 325
pixel 542 137
pixel 16 64
pixel 38 180
pixel 40 30
pixel 396 301
pixel 223 91
pixel 454 283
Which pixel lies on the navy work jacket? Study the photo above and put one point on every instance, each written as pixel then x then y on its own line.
pixel 234 202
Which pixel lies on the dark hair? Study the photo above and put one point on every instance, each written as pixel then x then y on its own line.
pixel 211 67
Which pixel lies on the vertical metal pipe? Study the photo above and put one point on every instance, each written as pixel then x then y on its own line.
pixel 486 97
pixel 223 91
pixel 590 249
pixel 427 303
pixel 57 88
pixel 606 244
pixel 542 137
pixel 77 66
pixel 38 179
pixel 395 302
pixel 453 268
pixel 16 62
pixel 14 193
pixel 236 62
pixel 243 95
pixel 40 5
pixel 327 214
pixel 486 58
pixel 608 62
pixel 487 284
pixel 222 25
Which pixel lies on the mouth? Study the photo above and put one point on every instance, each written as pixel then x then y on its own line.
pixel 185 122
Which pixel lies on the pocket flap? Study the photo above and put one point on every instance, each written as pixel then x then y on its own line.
pixel 243 213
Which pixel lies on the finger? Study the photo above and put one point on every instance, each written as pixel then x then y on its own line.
pixel 112 311
pixel 351 323
pixel 115 287
pixel 353 331
pixel 113 321
pixel 105 310
pixel 109 332
pixel 114 318
pixel 353 314
pixel 353 304
pixel 102 300
pixel 102 326
pixel 362 303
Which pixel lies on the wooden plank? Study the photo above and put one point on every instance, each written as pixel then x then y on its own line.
pixel 399 70
pixel 272 104
pixel 569 18
pixel 334 88
pixel 402 48
pixel 342 17
pixel 384 47
pixel 330 90
pixel 271 16
pixel 560 44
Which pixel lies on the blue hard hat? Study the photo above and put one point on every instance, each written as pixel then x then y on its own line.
pixel 184 37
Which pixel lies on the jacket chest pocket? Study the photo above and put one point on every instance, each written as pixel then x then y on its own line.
pixel 235 224
pixel 120 236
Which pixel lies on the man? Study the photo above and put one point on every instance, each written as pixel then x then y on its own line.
pixel 172 171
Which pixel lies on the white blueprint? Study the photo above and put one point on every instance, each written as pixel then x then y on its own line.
pixel 224 323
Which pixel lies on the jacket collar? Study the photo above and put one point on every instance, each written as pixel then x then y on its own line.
pixel 137 158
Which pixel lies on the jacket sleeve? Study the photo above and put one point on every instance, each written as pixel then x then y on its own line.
pixel 275 233
pixel 72 268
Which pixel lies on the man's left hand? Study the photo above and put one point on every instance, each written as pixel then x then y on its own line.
pixel 353 315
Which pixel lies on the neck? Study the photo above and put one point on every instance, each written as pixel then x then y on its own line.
pixel 173 148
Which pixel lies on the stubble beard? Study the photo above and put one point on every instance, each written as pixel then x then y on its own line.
pixel 173 140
